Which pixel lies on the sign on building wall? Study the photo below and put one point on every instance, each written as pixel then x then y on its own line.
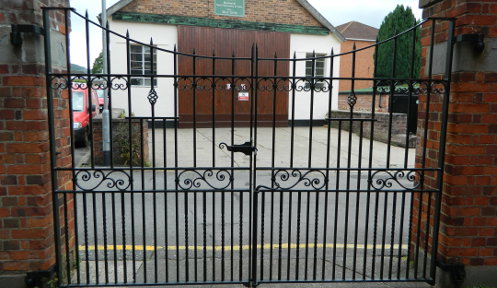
pixel 235 8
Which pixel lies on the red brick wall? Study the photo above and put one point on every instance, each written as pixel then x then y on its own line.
pixel 271 11
pixel 26 213
pixel 364 67
pixel 468 232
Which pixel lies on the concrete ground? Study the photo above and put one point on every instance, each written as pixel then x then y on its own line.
pixel 213 215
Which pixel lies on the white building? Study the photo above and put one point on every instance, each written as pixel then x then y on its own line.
pixel 221 26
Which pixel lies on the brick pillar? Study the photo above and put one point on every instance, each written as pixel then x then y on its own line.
pixel 26 211
pixel 468 228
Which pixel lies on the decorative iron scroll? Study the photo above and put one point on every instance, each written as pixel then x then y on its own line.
pixel 435 87
pixel 97 82
pixel 395 180
pixel 191 179
pixel 264 84
pixel 110 180
pixel 296 178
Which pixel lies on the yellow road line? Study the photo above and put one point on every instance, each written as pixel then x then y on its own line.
pixel 238 247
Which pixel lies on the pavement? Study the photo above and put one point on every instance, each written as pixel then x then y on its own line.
pixel 171 236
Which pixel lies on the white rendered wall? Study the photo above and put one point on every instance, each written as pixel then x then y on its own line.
pixel 164 37
pixel 302 44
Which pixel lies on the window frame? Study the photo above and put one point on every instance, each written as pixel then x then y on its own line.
pixel 309 67
pixel 138 65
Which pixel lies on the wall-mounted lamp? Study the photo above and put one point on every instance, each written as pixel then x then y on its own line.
pixel 17 29
pixel 475 39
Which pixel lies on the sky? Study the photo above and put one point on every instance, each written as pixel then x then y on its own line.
pixel 370 12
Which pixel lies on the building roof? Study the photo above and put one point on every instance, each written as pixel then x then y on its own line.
pixel 354 30
pixel 315 13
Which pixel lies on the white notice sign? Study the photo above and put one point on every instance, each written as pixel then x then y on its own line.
pixel 243 96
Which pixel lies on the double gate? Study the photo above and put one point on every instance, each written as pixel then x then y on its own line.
pixel 334 196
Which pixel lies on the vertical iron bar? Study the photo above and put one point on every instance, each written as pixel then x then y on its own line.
pixel 280 240
pixel 71 121
pixel 328 157
pixel 253 211
pixel 358 200
pixel 273 155
pixel 392 234
pixel 370 167
pixel 95 235
pixel 384 232
pixel 441 154
pixel 406 158
pixel 144 228
pixel 290 206
pixel 87 257
pixel 390 100
pixel 166 208
pixel 214 146
pixel 311 130
pixel 294 88
pixel 423 155
pixel 214 236
pixel 428 214
pixel 89 85
pixel 316 224
pixel 187 257
pixel 411 83
pixel 389 149
pixel 130 147
pixel 253 83
pixel 176 184
pixel 213 95
pixel 232 164
pixel 358 193
pixel 292 143
pixel 114 229
pixel 401 234
pixel 204 233
pixel 337 198
pixel 51 127
pixel 394 201
pixel 299 212
pixel 349 165
pixel 263 216
pixel 154 176
pixel 307 228
pixel 195 232
pixel 316 234
pixel 187 261
pixel 194 99
pixel 311 112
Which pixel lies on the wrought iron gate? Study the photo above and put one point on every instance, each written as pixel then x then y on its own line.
pixel 334 196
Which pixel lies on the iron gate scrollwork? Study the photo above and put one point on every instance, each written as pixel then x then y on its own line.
pixel 340 196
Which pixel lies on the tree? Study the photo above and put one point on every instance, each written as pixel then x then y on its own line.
pixel 407 60
pixel 98 64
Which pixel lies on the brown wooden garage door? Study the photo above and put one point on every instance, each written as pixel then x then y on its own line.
pixel 222 100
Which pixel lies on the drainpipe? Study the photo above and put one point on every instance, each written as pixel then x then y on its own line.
pixel 105 112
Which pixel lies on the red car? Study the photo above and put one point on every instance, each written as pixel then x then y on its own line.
pixel 81 111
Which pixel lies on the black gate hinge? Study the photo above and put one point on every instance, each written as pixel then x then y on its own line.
pixel 246 148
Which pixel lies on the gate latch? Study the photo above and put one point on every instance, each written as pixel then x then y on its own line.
pixel 246 148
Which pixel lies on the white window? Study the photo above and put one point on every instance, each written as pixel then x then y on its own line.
pixel 141 64
pixel 319 66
